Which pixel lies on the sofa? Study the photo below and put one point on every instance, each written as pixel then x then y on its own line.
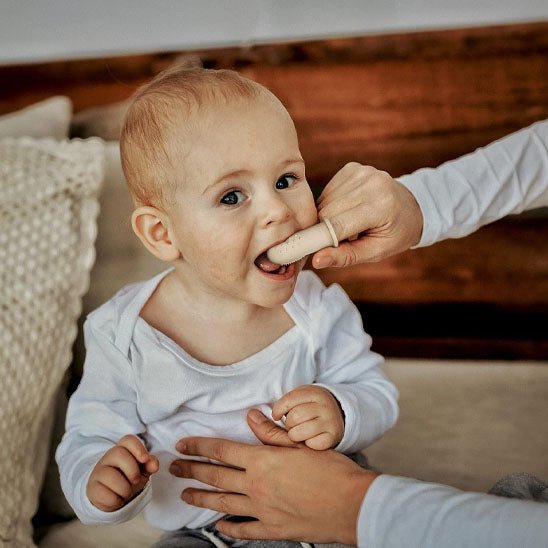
pixel 66 246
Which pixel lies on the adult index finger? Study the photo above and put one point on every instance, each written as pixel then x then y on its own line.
pixel 228 452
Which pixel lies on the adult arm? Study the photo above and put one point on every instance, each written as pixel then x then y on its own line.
pixel 507 176
pixel 401 512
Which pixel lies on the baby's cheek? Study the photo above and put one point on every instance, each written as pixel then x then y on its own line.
pixel 309 213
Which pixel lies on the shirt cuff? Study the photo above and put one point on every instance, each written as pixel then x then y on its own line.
pixel 431 224
pixel 358 434
pixel 95 516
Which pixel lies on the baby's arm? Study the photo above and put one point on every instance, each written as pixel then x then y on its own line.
pixel 100 413
pixel 345 364
pixel 354 375
pixel 313 415
pixel 122 473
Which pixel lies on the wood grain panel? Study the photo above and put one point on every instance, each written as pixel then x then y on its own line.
pixel 505 263
pixel 398 102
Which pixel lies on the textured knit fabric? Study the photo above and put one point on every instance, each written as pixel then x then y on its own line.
pixel 507 176
pixel 138 381
pixel 47 227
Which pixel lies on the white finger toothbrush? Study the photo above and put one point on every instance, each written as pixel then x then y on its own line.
pixel 304 243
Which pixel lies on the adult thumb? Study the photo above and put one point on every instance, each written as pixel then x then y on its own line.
pixel 267 431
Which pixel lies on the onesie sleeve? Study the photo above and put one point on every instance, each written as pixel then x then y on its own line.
pixel 505 177
pixel 406 512
pixel 348 368
pixel 101 411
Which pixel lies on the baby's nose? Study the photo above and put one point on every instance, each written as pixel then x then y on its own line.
pixel 276 210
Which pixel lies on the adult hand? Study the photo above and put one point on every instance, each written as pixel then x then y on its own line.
pixel 293 492
pixel 361 200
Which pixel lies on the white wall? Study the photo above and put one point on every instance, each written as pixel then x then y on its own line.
pixel 32 30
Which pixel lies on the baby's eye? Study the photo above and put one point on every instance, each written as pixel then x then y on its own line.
pixel 233 197
pixel 285 181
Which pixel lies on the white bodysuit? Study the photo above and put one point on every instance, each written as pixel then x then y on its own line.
pixel 138 381
pixel 507 176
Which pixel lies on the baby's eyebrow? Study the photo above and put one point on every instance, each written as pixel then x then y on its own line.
pixel 235 173
pixel 297 160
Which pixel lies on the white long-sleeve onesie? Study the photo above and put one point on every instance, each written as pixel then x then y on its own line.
pixel 138 381
pixel 507 176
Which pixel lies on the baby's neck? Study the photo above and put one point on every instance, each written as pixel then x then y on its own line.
pixel 218 333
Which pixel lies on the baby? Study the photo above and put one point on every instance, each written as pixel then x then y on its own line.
pixel 213 164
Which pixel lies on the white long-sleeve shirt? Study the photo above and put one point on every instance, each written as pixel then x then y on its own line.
pixel 139 381
pixel 507 176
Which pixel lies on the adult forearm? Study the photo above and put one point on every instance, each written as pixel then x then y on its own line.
pixel 406 513
pixel 504 177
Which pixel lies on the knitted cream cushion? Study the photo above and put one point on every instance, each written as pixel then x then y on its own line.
pixel 48 209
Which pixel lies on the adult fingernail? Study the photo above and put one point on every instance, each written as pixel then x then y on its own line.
pixel 181 447
pixel 187 497
pixel 175 469
pixel 322 262
pixel 256 416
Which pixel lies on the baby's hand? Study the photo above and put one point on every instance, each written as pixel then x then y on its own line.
pixel 313 415
pixel 122 472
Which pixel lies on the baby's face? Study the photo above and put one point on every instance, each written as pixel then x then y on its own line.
pixel 241 190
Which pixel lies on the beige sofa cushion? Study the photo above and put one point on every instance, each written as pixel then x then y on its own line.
pixel 121 258
pixel 49 118
pixel 466 423
pixel 47 229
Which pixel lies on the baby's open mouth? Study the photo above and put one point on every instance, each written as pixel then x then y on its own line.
pixel 263 263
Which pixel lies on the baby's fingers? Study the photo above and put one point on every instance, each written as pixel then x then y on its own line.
pixel 103 497
pixel 120 458
pixel 298 396
pixel 306 430
pixel 135 446
pixel 115 480
pixel 301 414
pixel 152 465
pixel 323 441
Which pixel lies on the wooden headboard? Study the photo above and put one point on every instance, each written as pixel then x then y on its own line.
pixel 398 102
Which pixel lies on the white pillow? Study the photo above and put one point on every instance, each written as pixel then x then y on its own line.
pixel 48 210
pixel 49 118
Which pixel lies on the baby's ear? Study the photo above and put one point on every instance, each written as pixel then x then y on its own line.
pixel 152 227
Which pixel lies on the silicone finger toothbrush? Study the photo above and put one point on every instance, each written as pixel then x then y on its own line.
pixel 304 243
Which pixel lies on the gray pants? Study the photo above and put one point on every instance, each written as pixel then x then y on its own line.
pixel 209 537
pixel 521 486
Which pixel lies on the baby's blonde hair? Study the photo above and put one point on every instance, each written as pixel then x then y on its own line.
pixel 156 109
